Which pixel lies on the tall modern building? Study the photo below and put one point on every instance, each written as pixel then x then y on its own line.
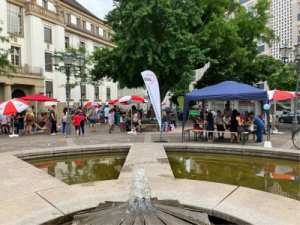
pixel 39 28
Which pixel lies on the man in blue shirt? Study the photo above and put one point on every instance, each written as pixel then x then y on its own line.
pixel 260 126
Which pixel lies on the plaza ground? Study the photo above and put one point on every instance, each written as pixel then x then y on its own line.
pixel 41 140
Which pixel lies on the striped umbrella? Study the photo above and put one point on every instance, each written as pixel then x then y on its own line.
pixel 95 104
pixel 13 106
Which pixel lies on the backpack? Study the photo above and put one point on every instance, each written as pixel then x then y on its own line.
pixel 29 117
pixel 82 115
pixel 64 118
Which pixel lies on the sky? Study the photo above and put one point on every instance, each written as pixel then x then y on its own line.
pixel 98 7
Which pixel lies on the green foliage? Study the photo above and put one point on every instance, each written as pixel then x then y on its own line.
pixel 249 73
pixel 284 79
pixel 4 53
pixel 173 38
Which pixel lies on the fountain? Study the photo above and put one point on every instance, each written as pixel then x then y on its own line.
pixel 141 209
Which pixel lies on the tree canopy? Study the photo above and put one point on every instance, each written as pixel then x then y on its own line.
pixel 284 79
pixel 250 73
pixel 4 53
pixel 173 38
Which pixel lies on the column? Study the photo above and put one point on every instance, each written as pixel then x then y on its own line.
pixel 7 92
pixel 292 104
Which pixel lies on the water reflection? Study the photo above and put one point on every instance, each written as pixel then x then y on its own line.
pixel 279 177
pixel 82 169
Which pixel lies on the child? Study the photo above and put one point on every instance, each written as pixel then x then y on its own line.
pixel 76 121
pixel 111 120
pixel 218 120
pixel 198 119
pixel 101 117
pixel 122 122
pixel 47 124
pixel 210 126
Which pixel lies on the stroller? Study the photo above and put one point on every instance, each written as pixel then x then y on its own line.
pixel 172 119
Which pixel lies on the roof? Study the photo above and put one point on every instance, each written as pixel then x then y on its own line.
pixel 77 5
pixel 227 90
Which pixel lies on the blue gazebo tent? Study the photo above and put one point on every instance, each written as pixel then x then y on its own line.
pixel 228 90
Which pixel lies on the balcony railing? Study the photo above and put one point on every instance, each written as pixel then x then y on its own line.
pixel 34 8
pixel 28 70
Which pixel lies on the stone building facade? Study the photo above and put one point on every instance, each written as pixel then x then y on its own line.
pixel 39 28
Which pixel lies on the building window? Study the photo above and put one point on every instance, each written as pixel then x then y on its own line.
pixel 261 45
pixel 298 11
pixel 243 1
pixel 83 96
pixel 261 86
pixel 48 62
pixel 47 34
pixel 250 7
pixel 97 31
pixel 104 34
pixel 95 48
pixel 14 19
pixel 108 36
pixel 194 78
pixel 107 93
pixel 77 22
pixel 15 56
pixel 97 93
pixel 92 28
pixel 81 45
pixel 83 25
pixel 66 42
pixel 49 89
pixel 62 13
pixel 44 4
pixel 68 18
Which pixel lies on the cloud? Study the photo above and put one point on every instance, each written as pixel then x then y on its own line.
pixel 98 7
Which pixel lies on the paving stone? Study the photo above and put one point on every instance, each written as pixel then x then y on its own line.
pixel 249 206
pixel 29 209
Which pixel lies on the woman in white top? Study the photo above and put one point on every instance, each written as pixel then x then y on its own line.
pixel 4 124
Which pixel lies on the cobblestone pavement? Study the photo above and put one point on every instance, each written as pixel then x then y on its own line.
pixel 41 140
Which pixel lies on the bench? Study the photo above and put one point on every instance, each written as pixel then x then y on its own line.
pixel 196 132
pixel 188 131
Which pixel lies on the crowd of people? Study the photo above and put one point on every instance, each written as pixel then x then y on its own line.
pixel 233 121
pixel 27 122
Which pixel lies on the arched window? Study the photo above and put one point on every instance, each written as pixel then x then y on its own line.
pixel 17 94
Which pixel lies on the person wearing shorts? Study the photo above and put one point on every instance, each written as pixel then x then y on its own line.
pixel 4 124
pixel 135 122
pixel 76 121
pixel 106 113
pixel 92 118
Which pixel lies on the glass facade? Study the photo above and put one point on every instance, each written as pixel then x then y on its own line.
pixel 246 106
pixel 14 19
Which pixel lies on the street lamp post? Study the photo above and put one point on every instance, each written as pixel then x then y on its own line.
pixel 67 69
pixel 285 52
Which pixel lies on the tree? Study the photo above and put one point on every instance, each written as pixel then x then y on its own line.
pixel 250 73
pixel 284 79
pixel 4 53
pixel 84 77
pixel 173 38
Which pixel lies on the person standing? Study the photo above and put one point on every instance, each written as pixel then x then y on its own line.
pixel 92 117
pixel 218 120
pixel 53 120
pixel 83 118
pixel 227 113
pixel 118 115
pixel 135 121
pixel 20 117
pixel 29 117
pixel 165 122
pixel 76 121
pixel 210 126
pixel 64 120
pixel 260 126
pixel 236 122
pixel 4 124
pixel 106 113
pixel 111 120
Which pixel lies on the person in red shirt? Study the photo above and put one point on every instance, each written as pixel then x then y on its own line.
pixel 76 121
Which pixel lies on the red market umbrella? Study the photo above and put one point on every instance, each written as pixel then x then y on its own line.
pixel 13 106
pixel 38 97
pixel 131 100
pixel 280 95
pixel 163 103
pixel 95 104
